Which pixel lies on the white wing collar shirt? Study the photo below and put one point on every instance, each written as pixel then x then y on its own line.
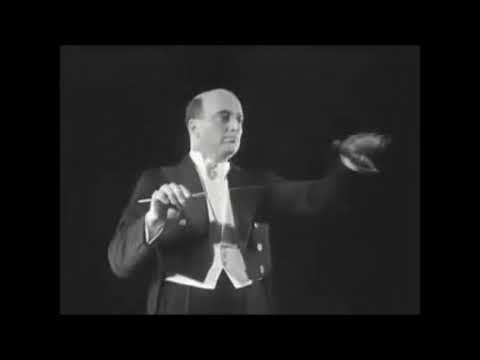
pixel 227 257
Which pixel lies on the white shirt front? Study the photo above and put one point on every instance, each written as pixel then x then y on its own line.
pixel 226 256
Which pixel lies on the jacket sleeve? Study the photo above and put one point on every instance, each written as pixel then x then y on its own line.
pixel 128 249
pixel 297 198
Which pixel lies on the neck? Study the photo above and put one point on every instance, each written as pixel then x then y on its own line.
pixel 209 155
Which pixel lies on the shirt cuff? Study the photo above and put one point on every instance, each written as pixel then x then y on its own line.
pixel 149 238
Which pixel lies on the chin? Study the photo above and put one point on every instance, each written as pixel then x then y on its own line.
pixel 228 153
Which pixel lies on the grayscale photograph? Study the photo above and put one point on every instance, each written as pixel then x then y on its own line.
pixel 239 179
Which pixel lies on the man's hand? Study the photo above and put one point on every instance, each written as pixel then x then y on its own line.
pixel 359 148
pixel 166 203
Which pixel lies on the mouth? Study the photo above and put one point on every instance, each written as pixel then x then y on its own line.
pixel 230 140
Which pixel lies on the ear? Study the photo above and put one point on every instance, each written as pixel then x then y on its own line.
pixel 193 126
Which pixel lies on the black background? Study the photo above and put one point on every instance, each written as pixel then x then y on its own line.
pixel 121 111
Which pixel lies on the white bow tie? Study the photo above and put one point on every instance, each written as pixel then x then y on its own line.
pixel 214 170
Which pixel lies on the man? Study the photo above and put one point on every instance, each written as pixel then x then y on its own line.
pixel 204 231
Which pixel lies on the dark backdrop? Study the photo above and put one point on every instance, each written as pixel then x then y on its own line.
pixel 122 111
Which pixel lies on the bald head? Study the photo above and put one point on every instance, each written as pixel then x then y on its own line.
pixel 214 119
pixel 206 103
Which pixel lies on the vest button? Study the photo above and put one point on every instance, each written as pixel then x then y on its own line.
pixel 262 270
pixel 183 222
pixel 259 247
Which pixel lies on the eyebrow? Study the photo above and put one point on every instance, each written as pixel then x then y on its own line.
pixel 229 112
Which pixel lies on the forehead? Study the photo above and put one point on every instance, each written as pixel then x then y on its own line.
pixel 216 101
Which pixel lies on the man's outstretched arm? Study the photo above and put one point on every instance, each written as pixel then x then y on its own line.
pixel 316 197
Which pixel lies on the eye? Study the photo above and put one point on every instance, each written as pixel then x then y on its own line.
pixel 224 116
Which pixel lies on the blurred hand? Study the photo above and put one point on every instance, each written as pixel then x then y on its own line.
pixel 167 203
pixel 360 147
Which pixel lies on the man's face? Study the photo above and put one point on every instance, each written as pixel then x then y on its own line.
pixel 219 132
